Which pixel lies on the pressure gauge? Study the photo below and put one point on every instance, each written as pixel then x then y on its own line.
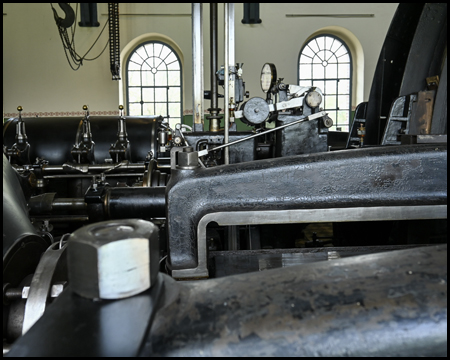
pixel 268 76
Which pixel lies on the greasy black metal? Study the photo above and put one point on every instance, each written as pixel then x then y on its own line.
pixel 399 119
pixel 390 68
pixel 439 121
pixel 386 304
pixel 359 117
pixel 428 47
pixel 22 246
pixel 214 110
pixel 52 138
pixel 92 328
pixel 304 138
pixel 88 15
pixel 136 202
pixel 255 111
pixel 42 203
pixel 374 176
pixel 241 152
pixel 226 263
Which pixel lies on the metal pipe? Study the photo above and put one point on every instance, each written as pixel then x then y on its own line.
pixel 84 168
pixel 226 83
pixel 226 145
pixel 197 66
pixel 68 204
pixel 214 119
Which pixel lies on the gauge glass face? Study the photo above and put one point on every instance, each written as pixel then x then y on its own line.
pixel 267 77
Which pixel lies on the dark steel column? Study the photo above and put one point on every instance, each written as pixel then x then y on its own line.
pixel 214 117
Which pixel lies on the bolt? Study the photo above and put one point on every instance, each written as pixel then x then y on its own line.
pixel 113 259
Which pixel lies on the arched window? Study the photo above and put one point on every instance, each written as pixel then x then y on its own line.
pixel 153 75
pixel 325 62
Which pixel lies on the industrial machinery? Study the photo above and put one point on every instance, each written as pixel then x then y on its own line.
pixel 134 238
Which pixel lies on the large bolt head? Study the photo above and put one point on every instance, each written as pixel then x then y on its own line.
pixel 113 259
pixel 187 159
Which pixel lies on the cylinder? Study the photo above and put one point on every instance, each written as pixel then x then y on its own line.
pixel 135 202
pixel 52 138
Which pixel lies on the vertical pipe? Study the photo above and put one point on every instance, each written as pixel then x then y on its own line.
pixel 226 83
pixel 214 118
pixel 197 67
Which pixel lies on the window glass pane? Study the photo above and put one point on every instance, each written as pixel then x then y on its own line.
pixel 174 65
pixel 330 87
pixel 170 58
pixel 159 64
pixel 343 102
pixel 341 51
pixel 173 122
pixel 344 71
pixel 320 42
pixel 174 109
pixel 316 60
pixel 147 78
pixel 308 52
pixel 335 45
pixel 134 78
pixel 158 48
pixel 344 87
pixel 319 84
pixel 330 102
pixel 327 55
pixel 165 52
pixel 142 53
pixel 148 94
pixel 321 55
pixel 318 71
pixel 313 45
pixel 154 65
pixel 161 94
pixel 135 109
pixel 331 71
pixel 305 83
pixel 174 78
pixel 342 118
pixel 328 42
pixel 344 59
pixel 133 66
pixel 149 49
pixel 161 78
pixel 332 59
pixel 134 94
pixel 174 94
pixel 305 71
pixel 149 109
pixel 161 109
pixel 146 65
pixel 136 58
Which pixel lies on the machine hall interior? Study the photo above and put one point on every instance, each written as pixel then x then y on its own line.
pixel 238 179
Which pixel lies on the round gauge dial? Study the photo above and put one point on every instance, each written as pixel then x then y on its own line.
pixel 268 76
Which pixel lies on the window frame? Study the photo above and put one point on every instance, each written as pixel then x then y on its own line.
pixel 155 86
pixel 337 79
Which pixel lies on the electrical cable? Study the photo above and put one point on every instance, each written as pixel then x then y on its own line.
pixel 69 46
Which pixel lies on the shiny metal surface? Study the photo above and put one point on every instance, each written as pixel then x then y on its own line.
pixel 41 285
pixel 378 213
pixel 197 66
pixel 113 259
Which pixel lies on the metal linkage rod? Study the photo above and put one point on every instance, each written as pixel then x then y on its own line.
pixel 310 117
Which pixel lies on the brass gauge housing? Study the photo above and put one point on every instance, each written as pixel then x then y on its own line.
pixel 268 76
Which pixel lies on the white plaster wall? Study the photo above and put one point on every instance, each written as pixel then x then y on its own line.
pixel 37 76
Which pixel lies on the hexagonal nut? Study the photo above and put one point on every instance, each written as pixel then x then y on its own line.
pixel 113 259
pixel 187 159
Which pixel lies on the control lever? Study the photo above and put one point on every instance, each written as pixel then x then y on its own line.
pixel 306 118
